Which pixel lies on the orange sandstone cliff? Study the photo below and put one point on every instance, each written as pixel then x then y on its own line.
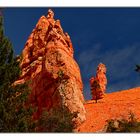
pixel 47 60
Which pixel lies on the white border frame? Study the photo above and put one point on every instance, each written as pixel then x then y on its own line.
pixel 69 3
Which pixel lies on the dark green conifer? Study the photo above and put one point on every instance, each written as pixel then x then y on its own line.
pixel 14 116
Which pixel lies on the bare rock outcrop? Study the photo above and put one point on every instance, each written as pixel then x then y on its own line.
pixel 99 82
pixel 47 61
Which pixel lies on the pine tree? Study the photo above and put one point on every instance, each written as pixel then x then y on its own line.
pixel 14 115
pixel 96 90
pixel 137 68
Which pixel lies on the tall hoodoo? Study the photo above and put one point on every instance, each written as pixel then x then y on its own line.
pixel 47 60
pixel 99 82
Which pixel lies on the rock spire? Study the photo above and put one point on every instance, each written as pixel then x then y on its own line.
pixel 47 61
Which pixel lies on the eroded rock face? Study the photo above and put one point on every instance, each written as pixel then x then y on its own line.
pixel 47 60
pixel 99 82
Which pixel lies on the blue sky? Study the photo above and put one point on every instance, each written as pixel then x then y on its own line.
pixel 107 35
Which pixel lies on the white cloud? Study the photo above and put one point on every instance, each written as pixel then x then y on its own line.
pixel 120 64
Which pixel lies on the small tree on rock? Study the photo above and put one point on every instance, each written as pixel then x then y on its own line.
pixel 99 82
pixel 95 90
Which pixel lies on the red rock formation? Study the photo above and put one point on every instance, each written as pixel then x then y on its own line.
pixel 98 84
pixel 47 60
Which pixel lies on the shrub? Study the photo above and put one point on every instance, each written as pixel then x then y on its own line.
pixel 123 125
pixel 57 120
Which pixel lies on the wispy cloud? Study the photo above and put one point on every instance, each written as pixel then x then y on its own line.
pixel 120 64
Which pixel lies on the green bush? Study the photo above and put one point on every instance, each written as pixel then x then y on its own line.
pixel 123 125
pixel 57 120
